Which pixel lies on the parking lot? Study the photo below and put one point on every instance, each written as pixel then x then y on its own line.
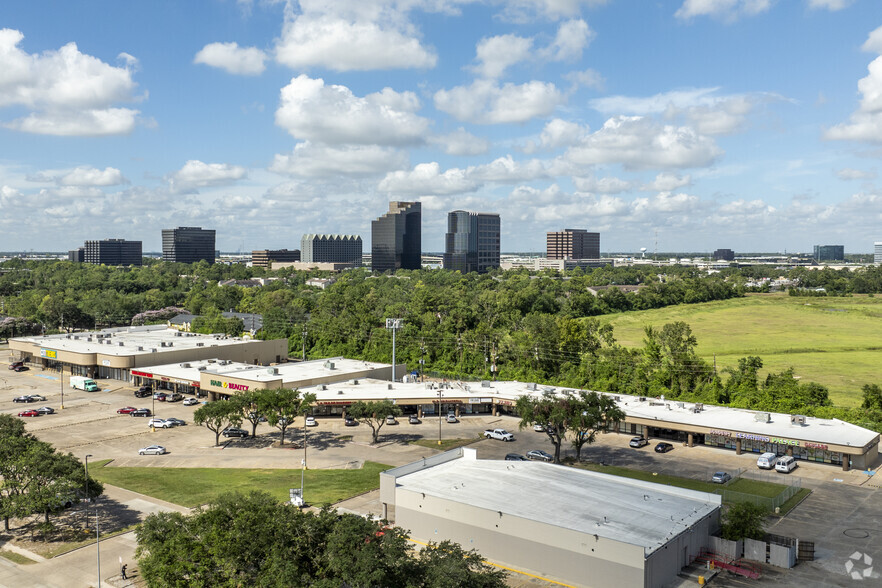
pixel 842 516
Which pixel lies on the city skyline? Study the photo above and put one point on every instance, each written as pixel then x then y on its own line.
pixel 677 126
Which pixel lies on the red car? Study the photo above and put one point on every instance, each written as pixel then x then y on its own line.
pixel 126 410
pixel 25 413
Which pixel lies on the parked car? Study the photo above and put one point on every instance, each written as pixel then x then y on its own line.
pixel 142 393
pixel 126 410
pixel 539 428
pixel 391 420
pixel 160 423
pixel 539 455
pixel 663 447
pixel 413 420
pixel 160 396
pixel 141 412
pixel 785 464
pixel 311 422
pixel 234 432
pixel 350 422
pixel 20 368
pixel 766 461
pixel 45 410
pixel 23 399
pixel 28 413
pixel 152 450
pixel 451 418
pixel 638 442
pixel 190 401
pixel 15 364
pixel 498 434
pixel 721 477
pixel 174 397
pixel 38 397
pixel 176 422
pixel 515 457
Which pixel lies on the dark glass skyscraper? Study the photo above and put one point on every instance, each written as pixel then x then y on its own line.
pixel 112 252
pixel 472 241
pixel 188 244
pixel 396 238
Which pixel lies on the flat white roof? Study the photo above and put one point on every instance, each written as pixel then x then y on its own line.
pixel 287 372
pixel 126 341
pixel 621 509
pixel 815 430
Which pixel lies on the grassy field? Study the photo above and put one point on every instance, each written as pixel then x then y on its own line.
pixel 832 341
pixel 195 486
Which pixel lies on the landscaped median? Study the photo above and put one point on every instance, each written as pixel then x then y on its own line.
pixel 192 487
pixel 738 490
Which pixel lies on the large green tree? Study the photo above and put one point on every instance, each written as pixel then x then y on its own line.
pixel 217 416
pixel 253 540
pixel 282 406
pixel 373 414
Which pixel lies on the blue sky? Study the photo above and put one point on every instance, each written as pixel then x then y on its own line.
pixel 754 125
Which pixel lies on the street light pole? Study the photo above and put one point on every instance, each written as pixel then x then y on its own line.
pixel 393 324
pixel 86 484
pixel 439 415
pixel 62 385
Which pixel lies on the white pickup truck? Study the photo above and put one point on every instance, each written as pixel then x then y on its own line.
pixel 500 434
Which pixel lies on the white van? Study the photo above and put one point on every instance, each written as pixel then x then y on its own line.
pixel 785 464
pixel 766 461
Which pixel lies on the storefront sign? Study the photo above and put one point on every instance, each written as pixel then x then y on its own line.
pixel 764 439
pixel 142 374
pixel 815 446
pixel 229 385
pixel 784 441
pixel 335 402
pixel 751 437
pixel 105 362
pixel 474 401
pixel 721 433
pixel 49 353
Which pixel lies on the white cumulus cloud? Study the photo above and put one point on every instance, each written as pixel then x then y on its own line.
pixel 605 185
pixel 233 59
pixel 572 37
pixel 666 182
pixel 427 178
pixel 831 5
pixel 639 142
pixel 486 102
pixel 726 10
pixel 66 91
pixel 197 174
pixel 495 54
pixel 865 124
pixel 82 176
pixel 332 114
pixel 322 161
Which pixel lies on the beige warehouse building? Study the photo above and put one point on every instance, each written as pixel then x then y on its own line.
pixel 114 353
pixel 573 526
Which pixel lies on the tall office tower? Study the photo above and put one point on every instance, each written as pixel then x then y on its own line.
pixel 396 241
pixel 829 252
pixel 266 257
pixel 472 241
pixel 877 252
pixel 77 255
pixel 724 254
pixel 188 244
pixel 112 252
pixel 331 249
pixel 572 244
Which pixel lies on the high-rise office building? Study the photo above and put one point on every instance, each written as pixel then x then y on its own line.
pixel 877 252
pixel 396 241
pixel 724 254
pixel 572 244
pixel 112 252
pixel 472 241
pixel 829 252
pixel 331 249
pixel 266 257
pixel 77 255
pixel 188 245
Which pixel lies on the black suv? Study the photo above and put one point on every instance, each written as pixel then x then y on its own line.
pixel 24 399
pixel 234 432
pixel 663 447
pixel 143 392
pixel 141 412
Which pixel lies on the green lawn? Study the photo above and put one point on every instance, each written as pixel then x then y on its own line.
pixel 16 557
pixel 195 486
pixel 831 341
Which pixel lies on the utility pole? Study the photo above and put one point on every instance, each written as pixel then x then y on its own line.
pixel 422 361
pixel 303 340
pixel 61 378
pixel 394 325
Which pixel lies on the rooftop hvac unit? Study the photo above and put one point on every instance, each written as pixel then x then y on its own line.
pixel 339 391
pixel 177 333
pixel 485 383
pixel 76 337
pixel 617 398
pixel 390 387
pixel 468 388
pixel 67 336
pixel 797 419
pixel 201 368
pixel 329 365
pixel 121 344
pixel 200 345
pixel 681 405
pixel 699 406
pixel 323 387
pixel 272 371
pixel 355 382
pixel 531 386
pixel 140 348
pixel 642 399
pixel 185 365
pixel 668 406
pixel 153 349
pixel 762 417
pixel 548 390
